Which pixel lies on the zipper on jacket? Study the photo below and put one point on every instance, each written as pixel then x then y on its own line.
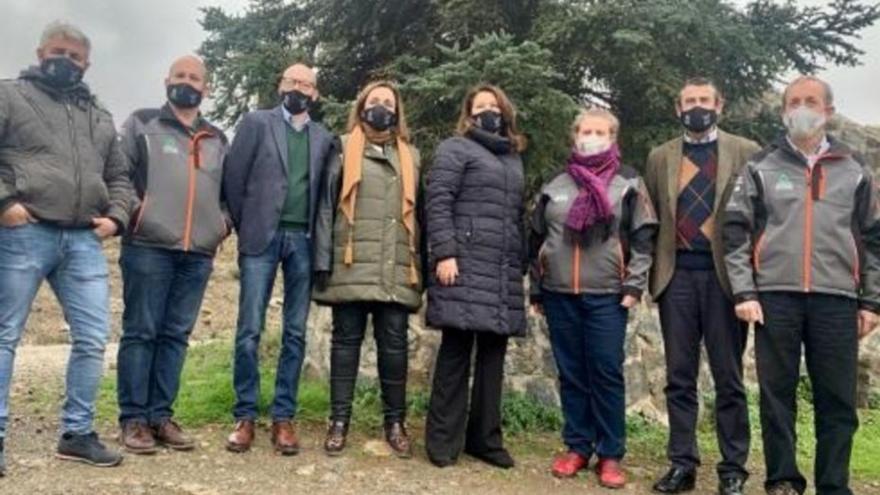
pixel 576 268
pixel 193 163
pixel 77 175
pixel 808 232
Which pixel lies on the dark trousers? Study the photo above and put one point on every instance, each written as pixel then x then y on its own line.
pixel 587 333
pixel 390 326
pixel 826 327
pixel 695 310
pixel 162 290
pixel 450 424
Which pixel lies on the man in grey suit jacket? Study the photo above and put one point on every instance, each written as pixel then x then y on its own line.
pixel 271 181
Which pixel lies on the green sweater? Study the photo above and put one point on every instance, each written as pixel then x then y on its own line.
pixel 295 214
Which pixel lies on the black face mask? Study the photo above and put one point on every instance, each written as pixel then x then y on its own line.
pixel 489 121
pixel 182 95
pixel 61 72
pixel 699 119
pixel 296 102
pixel 379 118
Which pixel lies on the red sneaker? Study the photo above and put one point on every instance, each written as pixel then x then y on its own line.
pixel 568 464
pixel 610 473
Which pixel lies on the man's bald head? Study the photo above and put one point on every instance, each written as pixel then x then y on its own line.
pixel 189 63
pixel 299 77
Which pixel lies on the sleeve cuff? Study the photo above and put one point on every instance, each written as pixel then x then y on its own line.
pixel 629 290
pixel 444 250
pixel 871 306
pixel 745 296
pixel 120 227
pixel 6 203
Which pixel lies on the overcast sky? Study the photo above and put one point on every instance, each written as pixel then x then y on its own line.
pixel 134 42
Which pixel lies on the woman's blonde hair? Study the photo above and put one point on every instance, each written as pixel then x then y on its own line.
pixel 508 112
pixel 613 121
pixel 401 130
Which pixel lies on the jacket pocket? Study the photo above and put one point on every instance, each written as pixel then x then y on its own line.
pixel 465 230
pixel 756 252
pixel 856 263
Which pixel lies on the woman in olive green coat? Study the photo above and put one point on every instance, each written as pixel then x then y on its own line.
pixel 367 258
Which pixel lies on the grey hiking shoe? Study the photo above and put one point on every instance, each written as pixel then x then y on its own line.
pixel 88 449
pixel 2 460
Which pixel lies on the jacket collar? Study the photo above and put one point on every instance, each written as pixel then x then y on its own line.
pixel 80 94
pixel 166 115
pixel 498 145
pixel 836 149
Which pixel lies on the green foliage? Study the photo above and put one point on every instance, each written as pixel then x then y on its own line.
pixel 434 90
pixel 629 55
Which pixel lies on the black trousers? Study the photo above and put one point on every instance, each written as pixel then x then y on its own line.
pixel 695 310
pixel 390 328
pixel 827 328
pixel 451 426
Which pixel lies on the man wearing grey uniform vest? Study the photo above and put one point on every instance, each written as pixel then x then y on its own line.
pixel 802 244
pixel 176 162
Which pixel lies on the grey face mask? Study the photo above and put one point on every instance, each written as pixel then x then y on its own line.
pixel 803 122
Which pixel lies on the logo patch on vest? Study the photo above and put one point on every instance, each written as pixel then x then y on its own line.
pixel 784 184
pixel 169 146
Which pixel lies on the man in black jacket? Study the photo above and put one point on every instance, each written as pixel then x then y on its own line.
pixel 64 188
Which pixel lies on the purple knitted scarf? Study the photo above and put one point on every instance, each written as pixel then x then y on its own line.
pixel 592 174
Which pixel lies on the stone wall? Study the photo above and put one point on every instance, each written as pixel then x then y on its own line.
pixel 530 367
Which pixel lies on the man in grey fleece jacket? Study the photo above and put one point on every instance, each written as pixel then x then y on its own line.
pixel 176 163
pixel 802 244
pixel 64 188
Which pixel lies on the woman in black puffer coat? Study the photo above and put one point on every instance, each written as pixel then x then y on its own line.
pixel 475 235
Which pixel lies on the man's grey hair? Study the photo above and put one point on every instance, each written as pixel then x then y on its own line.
pixel 829 93
pixel 65 30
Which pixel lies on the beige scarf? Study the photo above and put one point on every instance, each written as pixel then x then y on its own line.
pixel 352 168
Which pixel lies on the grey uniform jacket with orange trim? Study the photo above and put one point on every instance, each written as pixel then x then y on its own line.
pixel 612 259
pixel 792 228
pixel 59 154
pixel 177 175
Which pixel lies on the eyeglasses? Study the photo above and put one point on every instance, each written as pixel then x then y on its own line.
pixel 297 83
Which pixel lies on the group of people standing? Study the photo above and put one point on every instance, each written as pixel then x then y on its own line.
pixel 722 234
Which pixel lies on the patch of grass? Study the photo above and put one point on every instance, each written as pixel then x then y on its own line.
pixel 865 463
pixel 207 396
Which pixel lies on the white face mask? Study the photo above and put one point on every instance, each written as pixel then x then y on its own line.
pixel 592 145
pixel 803 122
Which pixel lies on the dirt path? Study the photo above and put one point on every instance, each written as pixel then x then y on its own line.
pixel 365 469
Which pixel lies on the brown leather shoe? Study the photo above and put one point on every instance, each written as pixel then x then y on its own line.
pixel 284 438
pixel 395 435
pixel 137 438
pixel 242 436
pixel 169 434
pixel 334 444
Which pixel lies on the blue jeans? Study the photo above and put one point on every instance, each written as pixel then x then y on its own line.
pixel 163 291
pixel 74 264
pixel 587 333
pixel 293 251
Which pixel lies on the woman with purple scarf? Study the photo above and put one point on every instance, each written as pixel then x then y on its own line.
pixel 592 237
